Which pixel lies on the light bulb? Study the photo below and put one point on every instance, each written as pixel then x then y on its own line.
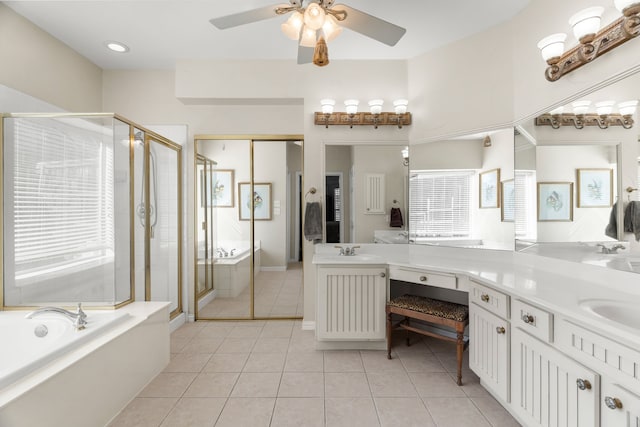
pixel 351 105
pixel 586 23
pixel 580 107
pixel 552 47
pixel 314 16
pixel 375 106
pixel 627 108
pixel 291 28
pixel 330 28
pixel 327 105
pixel 308 38
pixel 400 106
pixel 604 108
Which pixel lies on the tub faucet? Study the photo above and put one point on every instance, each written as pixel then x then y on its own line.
pixel 612 250
pixel 79 318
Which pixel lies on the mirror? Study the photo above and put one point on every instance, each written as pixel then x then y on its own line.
pixel 365 189
pixel 461 191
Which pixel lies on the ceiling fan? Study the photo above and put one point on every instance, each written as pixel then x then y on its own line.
pixel 316 24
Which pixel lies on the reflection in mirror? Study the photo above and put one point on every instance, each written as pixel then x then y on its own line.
pixel 365 193
pixel 456 191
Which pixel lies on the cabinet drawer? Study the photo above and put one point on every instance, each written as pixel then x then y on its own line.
pixel 532 320
pixel 489 299
pixel 424 277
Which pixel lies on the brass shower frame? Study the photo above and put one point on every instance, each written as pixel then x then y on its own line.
pixel 132 126
pixel 251 139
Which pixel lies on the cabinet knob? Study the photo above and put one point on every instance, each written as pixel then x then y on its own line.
pixel 383 275
pixel 501 329
pixel 527 318
pixel 423 278
pixel 583 384
pixel 484 297
pixel 612 402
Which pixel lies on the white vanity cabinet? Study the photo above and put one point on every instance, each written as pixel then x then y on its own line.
pixel 619 407
pixel 351 302
pixel 489 337
pixel 549 388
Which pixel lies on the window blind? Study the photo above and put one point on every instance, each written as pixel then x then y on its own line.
pixel 525 218
pixel 63 199
pixel 337 204
pixel 440 203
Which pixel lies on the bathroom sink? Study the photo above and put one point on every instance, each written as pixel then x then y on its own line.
pixel 349 259
pixel 623 312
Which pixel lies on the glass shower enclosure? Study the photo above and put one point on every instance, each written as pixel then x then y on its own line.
pixel 75 223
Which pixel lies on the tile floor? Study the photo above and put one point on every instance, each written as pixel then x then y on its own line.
pixel 268 373
pixel 277 294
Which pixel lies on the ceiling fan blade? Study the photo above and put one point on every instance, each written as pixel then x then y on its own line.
pixel 305 55
pixel 370 26
pixel 247 17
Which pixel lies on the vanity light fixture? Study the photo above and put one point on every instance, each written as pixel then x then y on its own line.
pixel 581 117
pixel 593 41
pixel 116 46
pixel 375 117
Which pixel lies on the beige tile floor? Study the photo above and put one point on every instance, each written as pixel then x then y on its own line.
pixel 277 294
pixel 268 373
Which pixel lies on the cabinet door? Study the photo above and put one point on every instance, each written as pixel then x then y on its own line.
pixel 489 349
pixel 545 389
pixel 620 407
pixel 351 302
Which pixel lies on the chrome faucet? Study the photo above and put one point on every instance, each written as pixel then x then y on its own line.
pixel 79 318
pixel 347 251
pixel 612 250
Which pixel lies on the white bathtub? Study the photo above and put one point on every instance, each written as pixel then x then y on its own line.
pixel 90 378
pixel 231 274
pixel 29 352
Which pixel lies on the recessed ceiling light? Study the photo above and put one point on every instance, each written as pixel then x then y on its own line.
pixel 117 46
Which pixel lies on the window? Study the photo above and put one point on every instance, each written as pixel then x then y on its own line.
pixel 525 222
pixel 63 199
pixel 440 203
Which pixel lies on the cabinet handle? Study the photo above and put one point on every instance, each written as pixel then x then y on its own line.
pixel 484 297
pixel 501 330
pixel 583 384
pixel 423 278
pixel 527 318
pixel 383 275
pixel 612 402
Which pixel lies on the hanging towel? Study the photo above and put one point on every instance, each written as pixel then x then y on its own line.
pixel 313 222
pixel 632 219
pixel 612 228
pixel 396 218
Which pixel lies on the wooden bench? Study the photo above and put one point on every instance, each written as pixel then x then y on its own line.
pixel 434 312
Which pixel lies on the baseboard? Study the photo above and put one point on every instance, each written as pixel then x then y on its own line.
pixel 177 321
pixel 308 325
pixel 351 345
pixel 207 299
pixel 191 318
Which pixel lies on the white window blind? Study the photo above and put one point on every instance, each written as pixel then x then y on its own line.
pixel 337 204
pixel 440 203
pixel 63 199
pixel 525 218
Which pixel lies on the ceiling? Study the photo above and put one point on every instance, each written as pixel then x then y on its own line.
pixel 162 32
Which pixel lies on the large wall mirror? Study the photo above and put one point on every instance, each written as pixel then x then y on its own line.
pixel 571 186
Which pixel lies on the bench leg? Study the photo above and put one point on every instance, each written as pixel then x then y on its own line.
pixel 406 319
pixel 459 352
pixel 389 328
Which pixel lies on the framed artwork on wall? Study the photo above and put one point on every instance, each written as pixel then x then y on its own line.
pixel 508 206
pixel 222 187
pixel 261 201
pixel 555 201
pixel 595 188
pixel 489 189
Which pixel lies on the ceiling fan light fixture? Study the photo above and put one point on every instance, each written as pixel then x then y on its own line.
pixel 308 37
pixel 292 27
pixel 314 16
pixel 330 28
pixel 321 53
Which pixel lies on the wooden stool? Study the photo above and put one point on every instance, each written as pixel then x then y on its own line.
pixel 431 311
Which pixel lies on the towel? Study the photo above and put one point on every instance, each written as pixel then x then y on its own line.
pixel 396 218
pixel 632 219
pixel 611 229
pixel 313 222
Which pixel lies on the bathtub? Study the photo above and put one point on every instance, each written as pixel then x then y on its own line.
pixel 29 352
pixel 71 378
pixel 231 274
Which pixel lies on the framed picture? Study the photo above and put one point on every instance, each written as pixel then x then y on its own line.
pixel 508 207
pixel 489 189
pixel 595 188
pixel 555 201
pixel 261 201
pixel 222 188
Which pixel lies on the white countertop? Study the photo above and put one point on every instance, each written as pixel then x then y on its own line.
pixel 558 286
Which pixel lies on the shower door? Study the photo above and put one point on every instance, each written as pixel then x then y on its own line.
pixel 204 249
